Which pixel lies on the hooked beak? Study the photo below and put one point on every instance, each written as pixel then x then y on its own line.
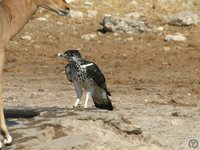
pixel 62 55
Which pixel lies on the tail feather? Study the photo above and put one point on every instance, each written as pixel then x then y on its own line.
pixel 101 99
pixel 106 105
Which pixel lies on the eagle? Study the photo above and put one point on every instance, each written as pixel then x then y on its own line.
pixel 87 75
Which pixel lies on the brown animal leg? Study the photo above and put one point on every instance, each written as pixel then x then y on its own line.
pixel 4 129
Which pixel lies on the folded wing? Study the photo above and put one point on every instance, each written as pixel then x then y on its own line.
pixel 100 92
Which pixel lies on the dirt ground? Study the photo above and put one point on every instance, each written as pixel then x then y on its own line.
pixel 154 84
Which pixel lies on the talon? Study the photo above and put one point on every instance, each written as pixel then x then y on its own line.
pixel 77 106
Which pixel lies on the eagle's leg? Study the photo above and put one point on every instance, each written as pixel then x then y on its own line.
pixel 76 103
pixel 79 93
pixel 86 99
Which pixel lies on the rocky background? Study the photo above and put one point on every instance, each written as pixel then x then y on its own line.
pixel 149 52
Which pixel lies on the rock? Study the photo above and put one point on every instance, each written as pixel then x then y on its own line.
pixel 130 24
pixel 126 127
pixel 130 39
pixel 108 4
pixel 166 49
pixel 134 3
pixel 124 56
pixel 41 19
pixel 166 1
pixel 88 3
pixel 91 13
pixel 89 37
pixel 75 14
pixel 69 1
pixel 59 23
pixel 176 114
pixel 26 37
pixel 177 37
pixel 183 19
pixel 160 28
pixel 134 15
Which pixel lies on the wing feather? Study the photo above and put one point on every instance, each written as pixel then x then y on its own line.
pixel 97 76
pixel 101 99
pixel 68 72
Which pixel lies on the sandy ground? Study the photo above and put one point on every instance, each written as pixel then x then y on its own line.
pixel 155 85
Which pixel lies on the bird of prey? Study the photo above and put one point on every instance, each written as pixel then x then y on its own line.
pixel 87 75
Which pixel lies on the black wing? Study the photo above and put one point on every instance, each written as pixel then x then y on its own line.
pixel 68 72
pixel 96 75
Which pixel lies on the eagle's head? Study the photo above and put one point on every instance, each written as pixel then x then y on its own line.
pixel 71 55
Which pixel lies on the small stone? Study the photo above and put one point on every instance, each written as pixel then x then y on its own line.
pixel 116 34
pixel 177 37
pixel 41 19
pixel 89 37
pixel 88 3
pixel 164 2
pixel 166 49
pixel 69 1
pixel 134 15
pixel 75 14
pixel 37 46
pixel 92 13
pixel 59 23
pixel 183 19
pixel 124 55
pixel 127 127
pixel 41 90
pixel 134 3
pixel 26 37
pixel 160 28
pixel 130 39
pixel 107 4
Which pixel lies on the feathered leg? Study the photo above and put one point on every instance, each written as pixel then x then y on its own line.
pixel 86 99
pixel 79 94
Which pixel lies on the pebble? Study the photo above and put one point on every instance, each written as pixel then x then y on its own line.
pixel 59 23
pixel 160 28
pixel 69 1
pixel 130 39
pixel 134 15
pixel 41 19
pixel 177 37
pixel 88 3
pixel 26 37
pixel 89 37
pixel 134 3
pixel 166 49
pixel 75 14
pixel 91 13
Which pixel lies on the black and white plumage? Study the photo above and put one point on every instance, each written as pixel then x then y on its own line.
pixel 87 75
